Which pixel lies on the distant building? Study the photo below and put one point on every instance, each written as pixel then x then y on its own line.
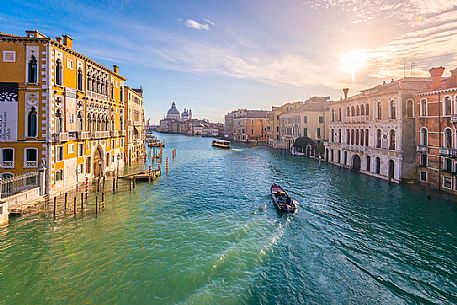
pixel 295 120
pixel 134 144
pixel 244 125
pixel 173 113
pixel 436 133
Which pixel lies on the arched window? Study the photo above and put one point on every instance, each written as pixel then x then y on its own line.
pixel 7 157
pixel 379 110
pixel 31 157
pixel 58 121
pixel 80 122
pixel 348 136
pixel 121 90
pixel 447 106
pixel 393 110
pixel 58 72
pixel 89 122
pixel 448 138
pixel 112 91
pixel 352 111
pixel 366 137
pixel 392 139
pixel 409 109
pixel 33 70
pixel 358 110
pixel 368 163
pixel 362 110
pixel 367 109
pixel 80 79
pixel 362 137
pixel 339 136
pixel 333 115
pixel 348 112
pixel 89 82
pixel 378 138
pixel 423 108
pixel 99 86
pixel 32 123
pixel 424 136
pixel 352 136
pixel 356 137
pixel 332 134
pixel 339 111
pixel 378 165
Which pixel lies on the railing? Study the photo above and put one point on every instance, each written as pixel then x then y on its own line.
pixel 84 135
pixel 14 185
pixel 32 164
pixel 60 137
pixel 7 164
pixel 96 95
pixel 421 148
pixel 114 133
pixel 454 118
pixel 101 134
pixel 449 152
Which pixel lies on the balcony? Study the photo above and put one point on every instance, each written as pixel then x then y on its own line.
pixel 101 134
pixel 122 133
pixel 454 118
pixel 7 164
pixel 114 133
pixel 32 164
pixel 448 152
pixel 60 137
pixel 83 135
pixel 422 149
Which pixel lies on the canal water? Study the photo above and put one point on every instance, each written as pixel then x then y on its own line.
pixel 208 234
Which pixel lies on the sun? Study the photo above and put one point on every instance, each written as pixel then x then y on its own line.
pixel 353 61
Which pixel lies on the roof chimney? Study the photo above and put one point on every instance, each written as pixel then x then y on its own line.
pixel 67 41
pixel 436 74
pixel 59 39
pixel 116 69
pixel 453 78
pixel 345 91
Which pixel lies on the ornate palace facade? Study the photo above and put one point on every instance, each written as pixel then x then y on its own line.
pixel 59 110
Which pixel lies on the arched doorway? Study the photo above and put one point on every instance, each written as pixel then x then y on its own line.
pixel 356 162
pixel 98 160
pixel 391 169
pixel 308 150
pixel 326 155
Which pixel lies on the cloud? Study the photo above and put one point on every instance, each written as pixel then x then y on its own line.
pixel 190 23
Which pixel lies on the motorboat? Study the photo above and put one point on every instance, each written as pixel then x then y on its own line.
pixel 221 143
pixel 282 200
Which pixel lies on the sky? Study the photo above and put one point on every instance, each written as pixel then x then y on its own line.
pixel 217 56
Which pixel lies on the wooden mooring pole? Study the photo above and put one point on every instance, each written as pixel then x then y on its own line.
pixel 114 185
pixel 55 204
pixel 96 204
pixel 66 200
pixel 82 201
pixel 74 205
pixel 103 199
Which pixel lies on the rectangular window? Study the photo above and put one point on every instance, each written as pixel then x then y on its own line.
pixel 305 119
pixel 59 175
pixel 9 56
pixel 321 119
pixel 447 182
pixel 88 164
pixel 423 162
pixel 59 153
pixel 305 132
pixel 71 148
pixel 80 149
pixel 424 176
pixel 318 132
pixel 112 144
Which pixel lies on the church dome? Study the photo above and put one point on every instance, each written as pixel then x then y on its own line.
pixel 173 113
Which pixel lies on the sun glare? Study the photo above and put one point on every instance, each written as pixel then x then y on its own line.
pixel 353 61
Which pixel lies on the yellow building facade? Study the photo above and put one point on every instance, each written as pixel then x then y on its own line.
pixel 59 110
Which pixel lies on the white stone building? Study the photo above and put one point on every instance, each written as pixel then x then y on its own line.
pixel 373 132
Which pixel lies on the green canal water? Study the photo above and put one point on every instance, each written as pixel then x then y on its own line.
pixel 208 234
